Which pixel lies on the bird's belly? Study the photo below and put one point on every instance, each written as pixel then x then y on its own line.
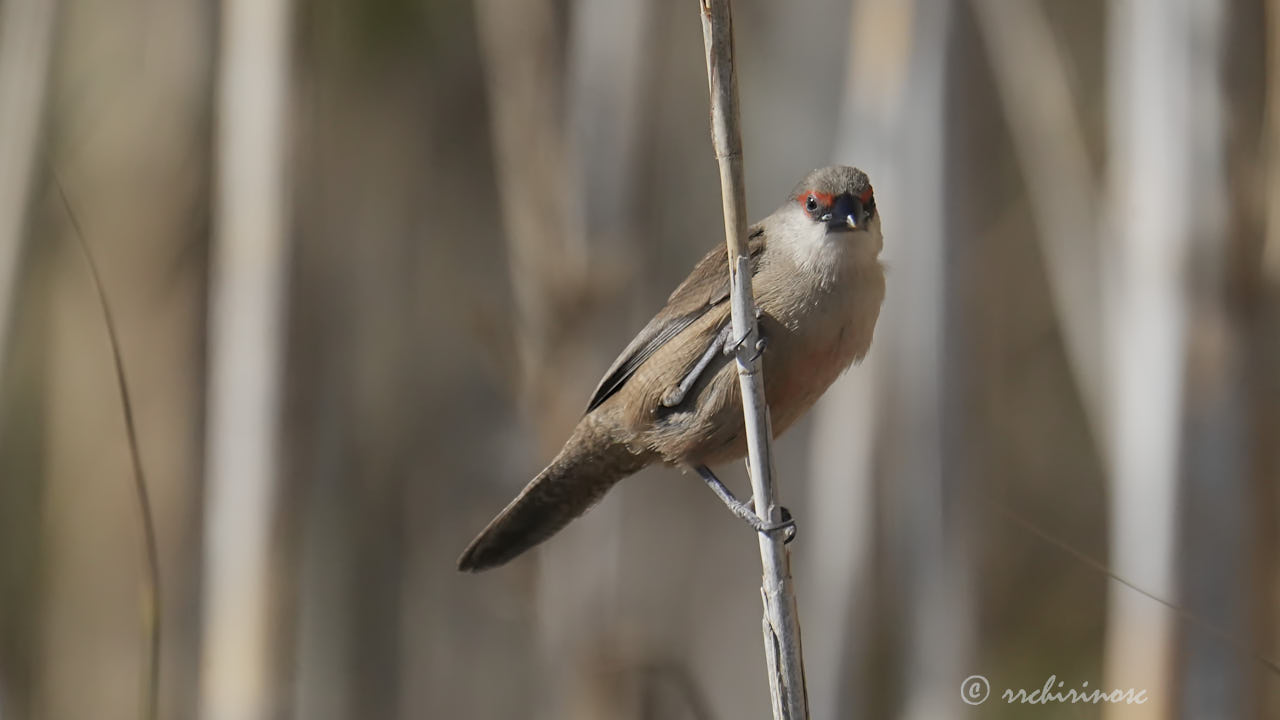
pixel 796 376
pixel 807 350
pixel 798 368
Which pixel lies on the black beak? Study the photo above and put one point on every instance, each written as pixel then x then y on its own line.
pixel 846 214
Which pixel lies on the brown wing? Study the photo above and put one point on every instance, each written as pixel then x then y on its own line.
pixel 706 287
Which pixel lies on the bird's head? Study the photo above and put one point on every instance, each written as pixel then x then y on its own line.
pixel 840 197
pixel 833 209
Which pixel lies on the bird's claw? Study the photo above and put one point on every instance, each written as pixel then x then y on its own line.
pixel 733 346
pixel 673 396
pixel 745 510
pixel 787 525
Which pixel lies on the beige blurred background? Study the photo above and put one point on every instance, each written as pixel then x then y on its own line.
pixel 368 258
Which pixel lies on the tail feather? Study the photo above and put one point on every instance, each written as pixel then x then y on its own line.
pixel 580 475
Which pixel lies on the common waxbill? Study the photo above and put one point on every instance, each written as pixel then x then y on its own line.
pixel 673 393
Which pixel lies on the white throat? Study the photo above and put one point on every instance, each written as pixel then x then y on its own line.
pixel 824 252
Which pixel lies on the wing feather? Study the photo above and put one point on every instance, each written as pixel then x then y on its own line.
pixel 706 287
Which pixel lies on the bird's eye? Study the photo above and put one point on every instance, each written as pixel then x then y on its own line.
pixel 870 207
pixel 811 204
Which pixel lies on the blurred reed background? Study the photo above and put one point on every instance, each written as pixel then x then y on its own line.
pixel 368 258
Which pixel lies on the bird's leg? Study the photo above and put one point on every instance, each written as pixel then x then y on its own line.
pixel 744 510
pixel 676 395
pixel 731 347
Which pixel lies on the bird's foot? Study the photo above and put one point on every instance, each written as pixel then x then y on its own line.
pixel 787 524
pixel 674 396
pixel 745 511
pixel 731 347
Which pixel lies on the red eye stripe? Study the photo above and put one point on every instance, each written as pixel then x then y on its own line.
pixel 865 197
pixel 824 199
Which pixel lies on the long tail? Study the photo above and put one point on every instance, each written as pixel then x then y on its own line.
pixel 588 465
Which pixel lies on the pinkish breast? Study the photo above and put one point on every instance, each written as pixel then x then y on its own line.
pixel 794 380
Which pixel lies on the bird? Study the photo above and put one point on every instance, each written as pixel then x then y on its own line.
pixel 672 396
